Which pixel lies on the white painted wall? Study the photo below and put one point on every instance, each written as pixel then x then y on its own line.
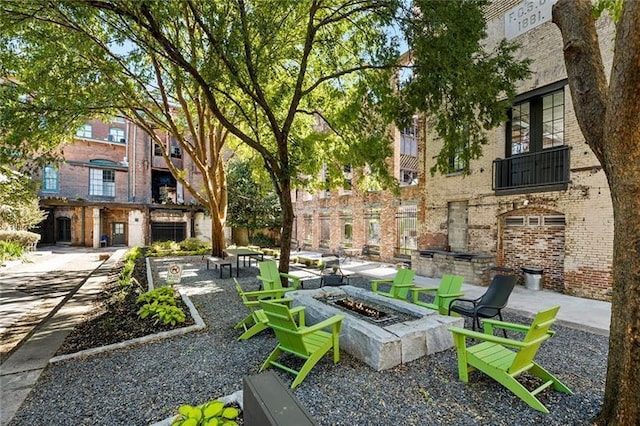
pixel 136 228
pixel 202 227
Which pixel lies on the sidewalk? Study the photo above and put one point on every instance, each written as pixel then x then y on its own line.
pixel 41 302
pixel 584 314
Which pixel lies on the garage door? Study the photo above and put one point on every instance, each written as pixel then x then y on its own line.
pixel 168 231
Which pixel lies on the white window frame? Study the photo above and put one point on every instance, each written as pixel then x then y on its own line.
pixel 102 182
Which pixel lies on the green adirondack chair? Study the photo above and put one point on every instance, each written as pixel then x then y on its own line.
pixel 400 284
pixel 448 289
pixel 504 365
pixel 256 321
pixel 309 343
pixel 271 278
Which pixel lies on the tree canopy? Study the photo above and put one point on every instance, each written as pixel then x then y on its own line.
pixel 305 83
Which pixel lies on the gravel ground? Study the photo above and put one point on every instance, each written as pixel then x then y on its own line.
pixel 144 384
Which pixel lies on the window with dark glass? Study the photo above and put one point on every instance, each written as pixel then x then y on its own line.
pixel 176 151
pixel 536 123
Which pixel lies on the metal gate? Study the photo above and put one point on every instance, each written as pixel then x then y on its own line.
pixel 168 231
pixel 406 230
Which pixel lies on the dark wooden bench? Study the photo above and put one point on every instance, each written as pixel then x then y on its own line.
pixel 268 402
pixel 219 264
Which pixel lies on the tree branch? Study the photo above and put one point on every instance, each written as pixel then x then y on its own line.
pixel 585 70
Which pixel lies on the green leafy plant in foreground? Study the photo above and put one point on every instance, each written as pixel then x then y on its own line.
pixel 164 294
pixel 160 303
pixel 10 250
pixel 211 413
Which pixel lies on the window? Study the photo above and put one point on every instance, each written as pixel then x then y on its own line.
pixel 176 151
pixel 85 131
pixel 536 123
pixel 308 228
pixel 116 134
pixel 157 150
pixel 409 139
pixel 409 154
pixel 457 163
pixel 553 120
pixel 102 182
pixel 50 179
pixel 117 120
pixel 325 231
pixel 347 229
pixel 373 227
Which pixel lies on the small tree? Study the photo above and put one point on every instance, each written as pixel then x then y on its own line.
pixel 19 209
pixel 250 204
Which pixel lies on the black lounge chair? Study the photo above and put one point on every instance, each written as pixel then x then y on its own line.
pixel 489 304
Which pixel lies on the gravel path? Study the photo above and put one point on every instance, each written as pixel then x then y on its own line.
pixel 144 384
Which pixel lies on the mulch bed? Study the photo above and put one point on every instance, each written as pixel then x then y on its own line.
pixel 114 318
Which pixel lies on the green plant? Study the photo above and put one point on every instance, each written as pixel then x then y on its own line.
pixel 211 413
pixel 164 294
pixel 188 247
pixel 160 303
pixel 24 239
pixel 162 312
pixel 193 244
pixel 10 250
pixel 262 240
pixel 124 279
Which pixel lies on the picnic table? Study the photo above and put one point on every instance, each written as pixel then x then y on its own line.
pixel 244 253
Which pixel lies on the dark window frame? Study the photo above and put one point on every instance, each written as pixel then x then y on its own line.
pixel 535 100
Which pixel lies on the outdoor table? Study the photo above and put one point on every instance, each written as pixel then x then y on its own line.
pixel 350 253
pixel 244 253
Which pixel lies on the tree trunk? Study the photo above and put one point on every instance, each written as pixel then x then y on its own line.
pixel 218 243
pixel 287 225
pixel 609 120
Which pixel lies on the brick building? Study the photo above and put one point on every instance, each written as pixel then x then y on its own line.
pixel 114 185
pixel 537 197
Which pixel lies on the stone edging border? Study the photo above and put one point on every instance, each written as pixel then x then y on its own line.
pixel 199 325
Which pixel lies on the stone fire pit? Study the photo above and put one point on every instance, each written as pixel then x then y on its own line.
pixel 380 346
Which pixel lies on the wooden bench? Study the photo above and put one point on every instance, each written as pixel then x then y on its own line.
pixel 220 264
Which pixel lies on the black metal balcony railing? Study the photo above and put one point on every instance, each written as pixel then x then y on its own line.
pixel 543 170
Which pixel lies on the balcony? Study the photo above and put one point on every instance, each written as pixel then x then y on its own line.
pixel 546 170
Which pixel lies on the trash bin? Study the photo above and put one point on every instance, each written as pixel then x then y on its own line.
pixel 532 277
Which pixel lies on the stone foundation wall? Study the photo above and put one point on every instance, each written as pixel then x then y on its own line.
pixel 475 270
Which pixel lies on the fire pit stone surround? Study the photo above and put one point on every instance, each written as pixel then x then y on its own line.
pixel 379 346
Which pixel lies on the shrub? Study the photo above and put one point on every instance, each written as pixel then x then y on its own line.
pixel 10 250
pixel 213 412
pixel 124 279
pixel 160 303
pixel 24 239
pixel 262 240
pixel 190 246
pixel 194 244
pixel 162 312
pixel 164 294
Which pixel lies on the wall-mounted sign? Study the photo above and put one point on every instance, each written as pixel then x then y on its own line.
pixel 174 274
pixel 525 16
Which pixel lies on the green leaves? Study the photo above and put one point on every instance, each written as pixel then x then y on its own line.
pixel 211 413
pixel 464 86
pixel 160 303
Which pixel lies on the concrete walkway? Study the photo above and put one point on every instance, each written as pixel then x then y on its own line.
pixel 46 309
pixel 42 300
pixel 585 314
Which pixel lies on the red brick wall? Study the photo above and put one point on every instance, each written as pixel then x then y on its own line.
pixel 534 245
